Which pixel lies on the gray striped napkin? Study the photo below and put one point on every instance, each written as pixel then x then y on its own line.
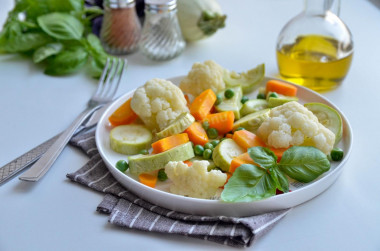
pixel 127 210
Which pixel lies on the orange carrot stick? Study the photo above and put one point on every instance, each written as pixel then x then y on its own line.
pixel 188 163
pixel 281 88
pixel 170 142
pixel 278 152
pixel 148 179
pixel 197 134
pixel 247 139
pixel 202 104
pixel 240 160
pixel 123 115
pixel 221 121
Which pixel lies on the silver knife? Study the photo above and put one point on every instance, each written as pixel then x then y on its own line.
pixel 20 163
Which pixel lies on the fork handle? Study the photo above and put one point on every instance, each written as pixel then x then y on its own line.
pixel 47 160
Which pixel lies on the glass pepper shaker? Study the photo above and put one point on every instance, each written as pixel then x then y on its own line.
pixel 121 28
pixel 161 37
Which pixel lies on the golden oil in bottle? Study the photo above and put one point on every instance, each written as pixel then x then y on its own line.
pixel 314 61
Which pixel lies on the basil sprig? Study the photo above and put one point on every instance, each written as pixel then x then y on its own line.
pixel 56 33
pixel 256 182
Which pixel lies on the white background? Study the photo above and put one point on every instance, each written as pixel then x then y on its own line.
pixel 55 214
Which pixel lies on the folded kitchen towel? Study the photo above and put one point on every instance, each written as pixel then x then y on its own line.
pixel 127 210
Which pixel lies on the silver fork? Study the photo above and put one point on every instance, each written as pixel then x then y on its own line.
pixel 107 87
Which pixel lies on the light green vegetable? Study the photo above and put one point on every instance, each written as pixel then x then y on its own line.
pixel 199 19
pixel 253 105
pixel 247 80
pixel 130 139
pixel 328 117
pixel 224 152
pixel 277 101
pixel 252 121
pixel 231 102
pixel 147 163
pixel 179 125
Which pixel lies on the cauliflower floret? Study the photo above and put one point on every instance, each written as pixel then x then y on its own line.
pixel 194 181
pixel 158 103
pixel 208 75
pixel 292 124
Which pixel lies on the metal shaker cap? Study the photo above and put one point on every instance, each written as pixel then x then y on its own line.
pixel 157 6
pixel 119 3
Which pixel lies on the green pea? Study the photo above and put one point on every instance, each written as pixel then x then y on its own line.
pixel 215 142
pixel 207 154
pixel 244 99
pixel 209 145
pixel 229 93
pixel 122 165
pixel 144 151
pixel 336 154
pixel 219 99
pixel 198 150
pixel 261 96
pixel 239 128
pixel 162 175
pixel 212 133
pixel 273 95
pixel 205 124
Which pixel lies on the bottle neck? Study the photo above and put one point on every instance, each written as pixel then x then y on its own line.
pixel 320 7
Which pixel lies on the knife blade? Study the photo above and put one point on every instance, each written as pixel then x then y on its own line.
pixel 17 165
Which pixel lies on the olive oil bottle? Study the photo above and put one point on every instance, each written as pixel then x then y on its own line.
pixel 313 61
pixel 315 48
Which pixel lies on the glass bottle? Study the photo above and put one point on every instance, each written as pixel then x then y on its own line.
pixel 121 28
pixel 161 37
pixel 315 48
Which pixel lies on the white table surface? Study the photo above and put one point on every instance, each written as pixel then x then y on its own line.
pixel 56 214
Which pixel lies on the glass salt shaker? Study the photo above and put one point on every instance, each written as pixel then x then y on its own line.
pixel 121 28
pixel 161 37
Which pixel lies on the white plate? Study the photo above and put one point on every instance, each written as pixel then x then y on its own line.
pixel 300 192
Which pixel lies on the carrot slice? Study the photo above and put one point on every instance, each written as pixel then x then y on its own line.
pixel 278 152
pixel 170 142
pixel 221 121
pixel 202 104
pixel 148 179
pixel 240 160
pixel 281 88
pixel 188 163
pixel 197 134
pixel 229 136
pixel 123 115
pixel 247 139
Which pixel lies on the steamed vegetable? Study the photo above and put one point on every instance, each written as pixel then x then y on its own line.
pixel 199 19
pixel 169 142
pixel 197 134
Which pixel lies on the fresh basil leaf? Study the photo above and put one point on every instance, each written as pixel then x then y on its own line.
pixel 282 182
pixel 304 163
pixel 249 183
pixel 42 7
pixel 67 62
pixel 24 42
pixel 61 26
pixel 262 156
pixel 46 51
